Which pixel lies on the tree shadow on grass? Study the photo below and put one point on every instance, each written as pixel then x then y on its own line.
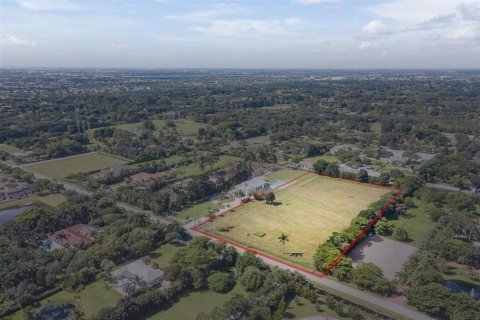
pixel 296 254
pixel 226 229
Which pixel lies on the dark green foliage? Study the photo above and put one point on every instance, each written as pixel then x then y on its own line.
pixel 270 198
pixel 320 166
pixel 332 169
pixel 432 299
pixel 400 234
pixel 369 276
pixel 383 227
pixel 363 175
pixel 252 278
pixel 248 259
pixel 220 282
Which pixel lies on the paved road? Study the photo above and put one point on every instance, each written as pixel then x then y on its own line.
pixel 359 294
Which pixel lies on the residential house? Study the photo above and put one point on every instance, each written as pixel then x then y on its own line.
pixel 78 236
pixel 302 165
pixel 248 187
pixel 135 275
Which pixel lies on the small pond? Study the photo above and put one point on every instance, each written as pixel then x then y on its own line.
pixel 458 286
pixel 54 312
pixel 10 214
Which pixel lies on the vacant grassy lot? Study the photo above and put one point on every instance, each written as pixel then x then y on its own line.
pixel 417 223
pixel 61 168
pixel 324 157
pixel 9 149
pixel 193 303
pixel 164 254
pixel 308 210
pixel 197 210
pixel 184 127
pixel 90 300
pixel 52 200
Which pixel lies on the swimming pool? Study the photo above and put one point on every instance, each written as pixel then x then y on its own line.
pixel 275 183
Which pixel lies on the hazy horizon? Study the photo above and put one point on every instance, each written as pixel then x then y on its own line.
pixel 288 34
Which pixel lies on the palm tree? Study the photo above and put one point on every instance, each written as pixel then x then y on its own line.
pixel 283 238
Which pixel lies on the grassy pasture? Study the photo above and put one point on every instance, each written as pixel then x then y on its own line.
pixel 90 300
pixel 61 168
pixel 324 157
pixel 193 303
pixel 417 223
pixel 52 200
pixel 308 210
pixel 9 148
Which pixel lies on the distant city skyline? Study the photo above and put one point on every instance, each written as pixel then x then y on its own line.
pixel 323 34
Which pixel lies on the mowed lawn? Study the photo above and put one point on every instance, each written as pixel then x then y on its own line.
pixel 61 168
pixel 308 210
pixel 52 200
pixel 9 148
pixel 193 303
pixel 90 300
pixel 417 223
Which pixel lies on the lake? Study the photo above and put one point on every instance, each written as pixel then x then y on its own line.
pixel 458 286
pixel 10 214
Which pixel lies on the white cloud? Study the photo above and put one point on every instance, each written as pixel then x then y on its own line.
pixel 214 11
pixel 249 27
pixel 294 21
pixel 470 11
pixel 377 27
pixel 14 41
pixel 118 45
pixel 63 5
pixel 367 45
pixel 408 11
pixel 319 1
pixel 469 32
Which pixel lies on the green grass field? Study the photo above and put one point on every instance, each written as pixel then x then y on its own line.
pixel 185 127
pixel 90 300
pixel 324 157
pixel 376 127
pixel 164 254
pixel 308 210
pixel 61 168
pixel 302 308
pixel 197 210
pixel 193 303
pixel 9 148
pixel 417 223
pixel 52 200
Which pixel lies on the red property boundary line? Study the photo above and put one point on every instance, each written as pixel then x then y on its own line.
pixel 291 265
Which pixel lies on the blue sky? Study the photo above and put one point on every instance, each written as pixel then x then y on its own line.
pixel 240 34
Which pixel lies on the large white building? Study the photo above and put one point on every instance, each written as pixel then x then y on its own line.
pixel 248 187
